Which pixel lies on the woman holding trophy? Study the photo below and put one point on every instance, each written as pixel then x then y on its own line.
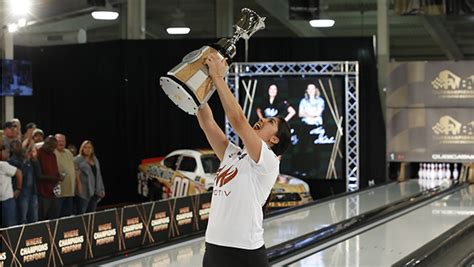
pixel 234 235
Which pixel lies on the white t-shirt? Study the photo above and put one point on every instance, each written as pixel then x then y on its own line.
pixel 6 173
pixel 311 106
pixel 241 188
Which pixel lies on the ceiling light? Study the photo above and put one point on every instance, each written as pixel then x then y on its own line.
pixel 105 15
pixel 21 23
pixel 178 30
pixel 106 12
pixel 321 23
pixel 20 7
pixel 177 25
pixel 13 27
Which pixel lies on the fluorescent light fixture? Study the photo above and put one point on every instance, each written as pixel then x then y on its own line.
pixel 105 15
pixel 321 23
pixel 13 27
pixel 178 30
pixel 21 23
pixel 20 7
pixel 177 25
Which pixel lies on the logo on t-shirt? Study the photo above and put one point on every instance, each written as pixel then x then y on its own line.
pixel 223 177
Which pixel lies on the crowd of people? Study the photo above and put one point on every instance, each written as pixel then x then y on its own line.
pixel 43 178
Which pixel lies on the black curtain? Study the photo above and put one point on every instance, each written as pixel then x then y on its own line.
pixel 109 93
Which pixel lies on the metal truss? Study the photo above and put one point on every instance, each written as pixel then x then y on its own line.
pixel 348 69
pixel 352 130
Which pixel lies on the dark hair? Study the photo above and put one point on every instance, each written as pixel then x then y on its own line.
pixel 50 138
pixel 9 125
pixel 283 135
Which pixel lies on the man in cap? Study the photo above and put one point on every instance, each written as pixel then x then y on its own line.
pixel 8 137
pixel 38 137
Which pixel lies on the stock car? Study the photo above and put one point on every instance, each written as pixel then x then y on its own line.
pixel 289 191
pixel 191 171
pixel 180 173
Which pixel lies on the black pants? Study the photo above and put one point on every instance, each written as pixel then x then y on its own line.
pixel 49 208
pixel 218 256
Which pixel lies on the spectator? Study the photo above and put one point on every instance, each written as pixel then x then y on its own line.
pixel 17 130
pixel 91 179
pixel 28 141
pixel 48 203
pixel 8 137
pixel 73 149
pixel 7 195
pixel 38 136
pixel 71 176
pixel 27 203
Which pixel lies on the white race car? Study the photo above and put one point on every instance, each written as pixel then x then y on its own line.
pixel 195 164
pixel 181 173
pixel 192 171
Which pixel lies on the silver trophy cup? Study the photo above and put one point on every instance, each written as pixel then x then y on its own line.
pixel 188 84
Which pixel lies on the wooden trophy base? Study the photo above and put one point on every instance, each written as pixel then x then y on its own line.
pixel 188 84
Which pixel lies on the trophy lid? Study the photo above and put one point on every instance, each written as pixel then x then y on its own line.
pixel 249 23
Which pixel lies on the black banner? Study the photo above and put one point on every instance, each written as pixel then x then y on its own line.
pixel 159 222
pixel 203 209
pixel 29 245
pixel 183 216
pixel 71 240
pixel 133 226
pixel 104 238
pixel 75 240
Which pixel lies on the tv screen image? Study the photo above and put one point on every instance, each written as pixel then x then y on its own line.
pixel 311 116
pixel 16 78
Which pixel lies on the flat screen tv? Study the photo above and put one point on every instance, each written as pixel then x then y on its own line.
pixel 16 78
pixel 302 102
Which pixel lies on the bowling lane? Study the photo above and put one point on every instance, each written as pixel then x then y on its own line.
pixel 285 226
pixel 294 224
pixel 386 244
